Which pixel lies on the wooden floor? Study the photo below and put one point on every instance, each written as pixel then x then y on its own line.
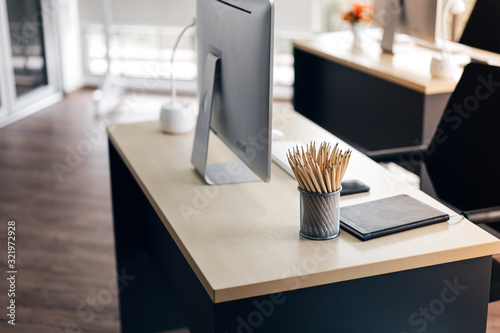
pixel 54 182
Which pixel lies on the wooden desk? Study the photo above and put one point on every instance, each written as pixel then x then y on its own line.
pixel 372 99
pixel 231 259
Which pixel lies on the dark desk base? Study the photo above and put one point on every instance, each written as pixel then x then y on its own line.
pixel 368 112
pixel 406 301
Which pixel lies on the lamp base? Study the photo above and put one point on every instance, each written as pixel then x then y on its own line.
pixel 177 118
pixel 443 67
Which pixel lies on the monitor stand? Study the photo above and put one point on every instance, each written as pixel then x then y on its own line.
pixel 394 11
pixel 215 174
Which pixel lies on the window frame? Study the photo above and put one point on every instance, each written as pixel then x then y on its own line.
pixel 15 107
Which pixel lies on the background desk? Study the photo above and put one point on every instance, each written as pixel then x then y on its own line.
pixel 370 99
pixel 230 258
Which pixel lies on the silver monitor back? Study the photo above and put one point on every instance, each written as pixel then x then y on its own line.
pixel 420 19
pixel 235 46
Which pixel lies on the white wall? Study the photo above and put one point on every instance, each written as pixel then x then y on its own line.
pixel 144 12
pixel 291 15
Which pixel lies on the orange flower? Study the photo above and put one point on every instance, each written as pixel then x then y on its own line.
pixel 360 12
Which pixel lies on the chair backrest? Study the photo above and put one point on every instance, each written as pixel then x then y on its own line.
pixel 463 159
pixel 483 27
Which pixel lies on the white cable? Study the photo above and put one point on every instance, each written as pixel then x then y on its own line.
pixel 444 29
pixel 174 93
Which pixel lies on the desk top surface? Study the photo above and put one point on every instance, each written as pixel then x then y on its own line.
pixel 243 240
pixel 408 67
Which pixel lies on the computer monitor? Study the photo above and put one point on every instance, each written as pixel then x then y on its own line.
pixel 235 64
pixel 419 19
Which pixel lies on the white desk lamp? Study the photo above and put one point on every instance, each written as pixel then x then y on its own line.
pixel 443 65
pixel 177 117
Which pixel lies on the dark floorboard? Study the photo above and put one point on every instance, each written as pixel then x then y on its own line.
pixel 64 239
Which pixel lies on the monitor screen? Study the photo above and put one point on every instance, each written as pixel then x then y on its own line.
pixel 235 61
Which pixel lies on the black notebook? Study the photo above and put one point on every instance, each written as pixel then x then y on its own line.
pixel 388 216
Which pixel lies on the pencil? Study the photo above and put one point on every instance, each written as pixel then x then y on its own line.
pixel 319 169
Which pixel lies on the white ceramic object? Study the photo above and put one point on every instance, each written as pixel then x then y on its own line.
pixel 177 118
pixel 443 67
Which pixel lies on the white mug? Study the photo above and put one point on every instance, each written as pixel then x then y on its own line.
pixel 177 118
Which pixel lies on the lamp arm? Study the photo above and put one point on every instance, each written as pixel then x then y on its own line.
pixel 172 81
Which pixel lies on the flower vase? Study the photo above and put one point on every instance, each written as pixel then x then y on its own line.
pixel 357 30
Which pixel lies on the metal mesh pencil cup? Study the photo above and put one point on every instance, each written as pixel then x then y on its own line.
pixel 319 214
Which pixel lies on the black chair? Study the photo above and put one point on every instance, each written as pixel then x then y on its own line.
pixel 482 29
pixel 461 165
pixel 463 159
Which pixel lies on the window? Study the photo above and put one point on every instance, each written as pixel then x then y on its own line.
pixel 143 38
